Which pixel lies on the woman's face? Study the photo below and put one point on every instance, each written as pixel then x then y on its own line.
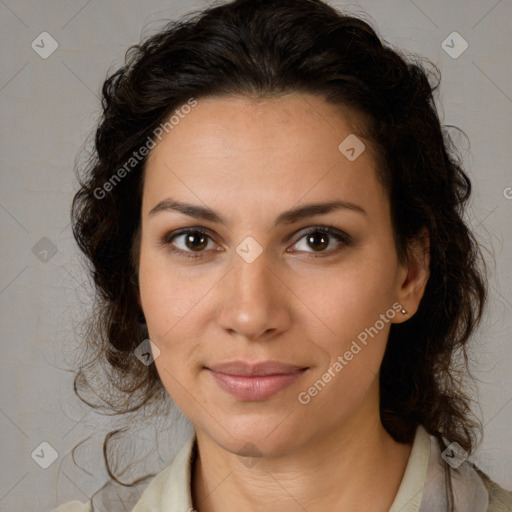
pixel 255 287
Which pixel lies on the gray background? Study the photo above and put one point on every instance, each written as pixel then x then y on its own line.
pixel 49 106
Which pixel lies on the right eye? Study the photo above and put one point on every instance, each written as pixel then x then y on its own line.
pixel 192 240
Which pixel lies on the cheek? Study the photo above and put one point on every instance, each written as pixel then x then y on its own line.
pixel 353 314
pixel 350 299
pixel 180 359
pixel 167 295
pixel 169 313
pixel 173 300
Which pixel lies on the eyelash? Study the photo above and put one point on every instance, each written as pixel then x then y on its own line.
pixel 340 236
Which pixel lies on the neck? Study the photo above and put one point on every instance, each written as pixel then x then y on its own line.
pixel 354 468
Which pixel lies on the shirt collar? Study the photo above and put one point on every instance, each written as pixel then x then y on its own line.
pixel 410 492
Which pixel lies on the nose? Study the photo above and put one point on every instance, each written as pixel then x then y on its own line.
pixel 254 301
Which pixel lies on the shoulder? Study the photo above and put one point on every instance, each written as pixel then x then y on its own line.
pixel 167 490
pixel 470 488
pixel 170 489
pixel 152 495
pixel 75 506
pixel 149 498
pixel 500 500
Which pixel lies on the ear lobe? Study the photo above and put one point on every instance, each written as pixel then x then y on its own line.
pixel 417 272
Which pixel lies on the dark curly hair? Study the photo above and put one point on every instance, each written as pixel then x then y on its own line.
pixel 264 48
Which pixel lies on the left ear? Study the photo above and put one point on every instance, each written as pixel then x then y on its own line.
pixel 413 275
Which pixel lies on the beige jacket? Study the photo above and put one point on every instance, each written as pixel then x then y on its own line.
pixel 423 487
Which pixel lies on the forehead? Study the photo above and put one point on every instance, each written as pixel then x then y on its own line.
pixel 240 123
pixel 269 151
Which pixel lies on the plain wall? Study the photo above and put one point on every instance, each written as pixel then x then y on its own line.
pixel 49 106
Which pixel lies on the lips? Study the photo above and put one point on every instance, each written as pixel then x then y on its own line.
pixel 255 382
pixel 257 369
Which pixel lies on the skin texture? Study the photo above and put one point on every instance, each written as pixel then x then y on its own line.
pixel 299 303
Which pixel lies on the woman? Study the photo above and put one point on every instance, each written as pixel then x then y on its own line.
pixel 273 203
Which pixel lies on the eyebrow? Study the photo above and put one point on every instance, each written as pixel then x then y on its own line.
pixel 287 217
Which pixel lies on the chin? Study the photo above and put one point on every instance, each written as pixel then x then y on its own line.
pixel 257 437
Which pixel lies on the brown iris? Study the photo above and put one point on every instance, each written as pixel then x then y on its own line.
pixel 201 240
pixel 318 237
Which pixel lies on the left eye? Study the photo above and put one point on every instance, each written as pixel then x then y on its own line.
pixel 321 238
